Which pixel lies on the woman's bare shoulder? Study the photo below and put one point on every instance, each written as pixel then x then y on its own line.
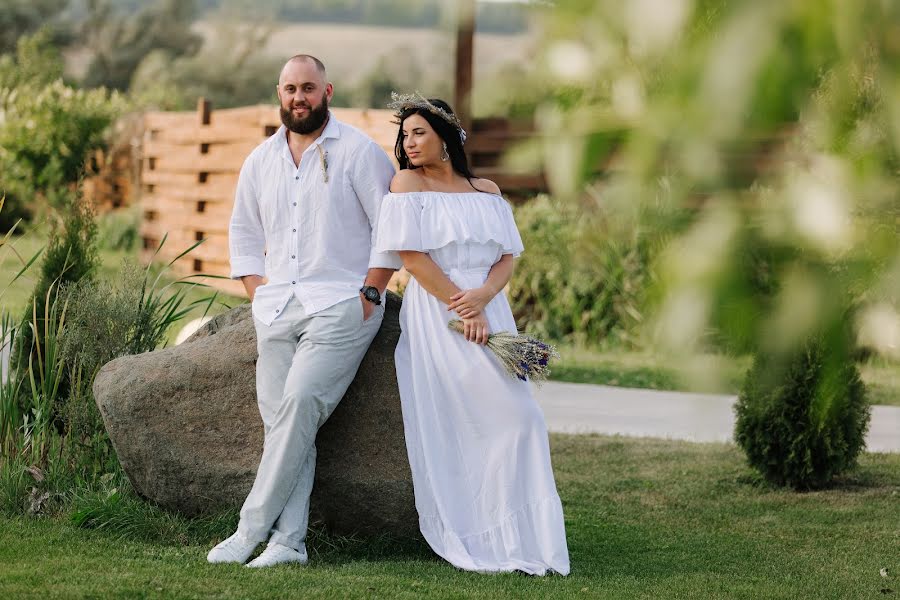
pixel 406 180
pixel 486 185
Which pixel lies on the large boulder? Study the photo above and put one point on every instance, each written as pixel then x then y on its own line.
pixel 186 428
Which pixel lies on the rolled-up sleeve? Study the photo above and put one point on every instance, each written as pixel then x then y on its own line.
pixel 246 238
pixel 372 172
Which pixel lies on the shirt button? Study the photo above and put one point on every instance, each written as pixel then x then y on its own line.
pixel 294 282
pixel 293 256
pixel 297 177
pixel 294 230
pixel 277 310
pixel 295 204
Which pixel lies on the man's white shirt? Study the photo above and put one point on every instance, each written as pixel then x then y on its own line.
pixel 312 238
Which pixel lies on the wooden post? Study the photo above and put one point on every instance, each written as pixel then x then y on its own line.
pixel 204 107
pixel 465 44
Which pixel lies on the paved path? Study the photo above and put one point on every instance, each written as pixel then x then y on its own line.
pixel 583 408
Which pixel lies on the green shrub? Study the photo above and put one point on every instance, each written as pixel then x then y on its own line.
pixel 35 61
pixel 47 128
pixel 70 256
pixel 802 419
pixel 47 135
pixel 106 320
pixel 100 326
pixel 71 253
pixel 102 318
pixel 582 278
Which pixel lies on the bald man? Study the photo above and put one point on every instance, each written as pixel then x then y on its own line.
pixel 301 241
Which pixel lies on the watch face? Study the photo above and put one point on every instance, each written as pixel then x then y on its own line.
pixel 371 294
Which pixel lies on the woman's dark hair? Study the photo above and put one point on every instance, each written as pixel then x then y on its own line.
pixel 445 130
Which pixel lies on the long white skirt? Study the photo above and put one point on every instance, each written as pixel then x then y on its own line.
pixel 477 444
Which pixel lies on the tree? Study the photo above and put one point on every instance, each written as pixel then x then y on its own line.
pixel 24 17
pixel 120 42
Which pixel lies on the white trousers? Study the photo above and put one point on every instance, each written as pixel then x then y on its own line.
pixel 306 363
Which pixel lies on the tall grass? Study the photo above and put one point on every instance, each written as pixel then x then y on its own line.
pixel 161 304
pixel 111 504
pixel 10 386
pixel 46 371
pixel 52 435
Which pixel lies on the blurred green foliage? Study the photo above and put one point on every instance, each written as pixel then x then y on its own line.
pixel 120 41
pixel 759 143
pixel 47 128
pixel 34 60
pixel 24 17
pixel 118 230
pixel 230 70
pixel 758 139
pixel 583 277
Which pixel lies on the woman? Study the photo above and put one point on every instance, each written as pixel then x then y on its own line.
pixel 476 438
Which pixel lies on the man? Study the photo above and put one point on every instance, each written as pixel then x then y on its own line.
pixel 305 211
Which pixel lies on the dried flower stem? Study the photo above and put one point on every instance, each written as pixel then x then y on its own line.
pixel 523 357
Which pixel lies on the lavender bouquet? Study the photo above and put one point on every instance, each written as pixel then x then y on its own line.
pixel 522 356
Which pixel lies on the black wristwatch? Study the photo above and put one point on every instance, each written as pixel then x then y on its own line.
pixel 371 294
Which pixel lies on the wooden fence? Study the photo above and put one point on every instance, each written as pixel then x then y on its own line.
pixel 190 165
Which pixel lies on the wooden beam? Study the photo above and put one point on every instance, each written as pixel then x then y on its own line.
pixel 465 46
pixel 204 107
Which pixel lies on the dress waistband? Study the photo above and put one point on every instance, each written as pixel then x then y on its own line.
pixel 472 271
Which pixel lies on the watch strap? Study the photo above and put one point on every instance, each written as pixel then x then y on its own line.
pixel 367 292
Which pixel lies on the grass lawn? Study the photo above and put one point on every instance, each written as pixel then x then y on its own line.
pixel 644 518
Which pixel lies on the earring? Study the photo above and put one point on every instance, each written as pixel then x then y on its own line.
pixel 445 156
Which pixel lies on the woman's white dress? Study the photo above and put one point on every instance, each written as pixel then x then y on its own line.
pixel 476 437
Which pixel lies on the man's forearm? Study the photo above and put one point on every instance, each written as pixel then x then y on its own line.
pixel 379 278
pixel 251 282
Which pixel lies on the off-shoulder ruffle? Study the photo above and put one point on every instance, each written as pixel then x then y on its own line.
pixel 424 221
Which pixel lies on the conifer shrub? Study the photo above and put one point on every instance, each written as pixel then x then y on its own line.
pixel 802 419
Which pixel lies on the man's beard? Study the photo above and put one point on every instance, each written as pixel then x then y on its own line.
pixel 314 119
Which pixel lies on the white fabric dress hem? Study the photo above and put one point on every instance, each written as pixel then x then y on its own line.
pixel 463 551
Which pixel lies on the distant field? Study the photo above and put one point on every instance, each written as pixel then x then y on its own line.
pixel 422 59
pixel 351 51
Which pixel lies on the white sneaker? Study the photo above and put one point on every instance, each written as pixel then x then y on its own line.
pixel 236 549
pixel 276 554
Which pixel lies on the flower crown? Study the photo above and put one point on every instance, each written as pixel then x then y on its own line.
pixel 402 102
